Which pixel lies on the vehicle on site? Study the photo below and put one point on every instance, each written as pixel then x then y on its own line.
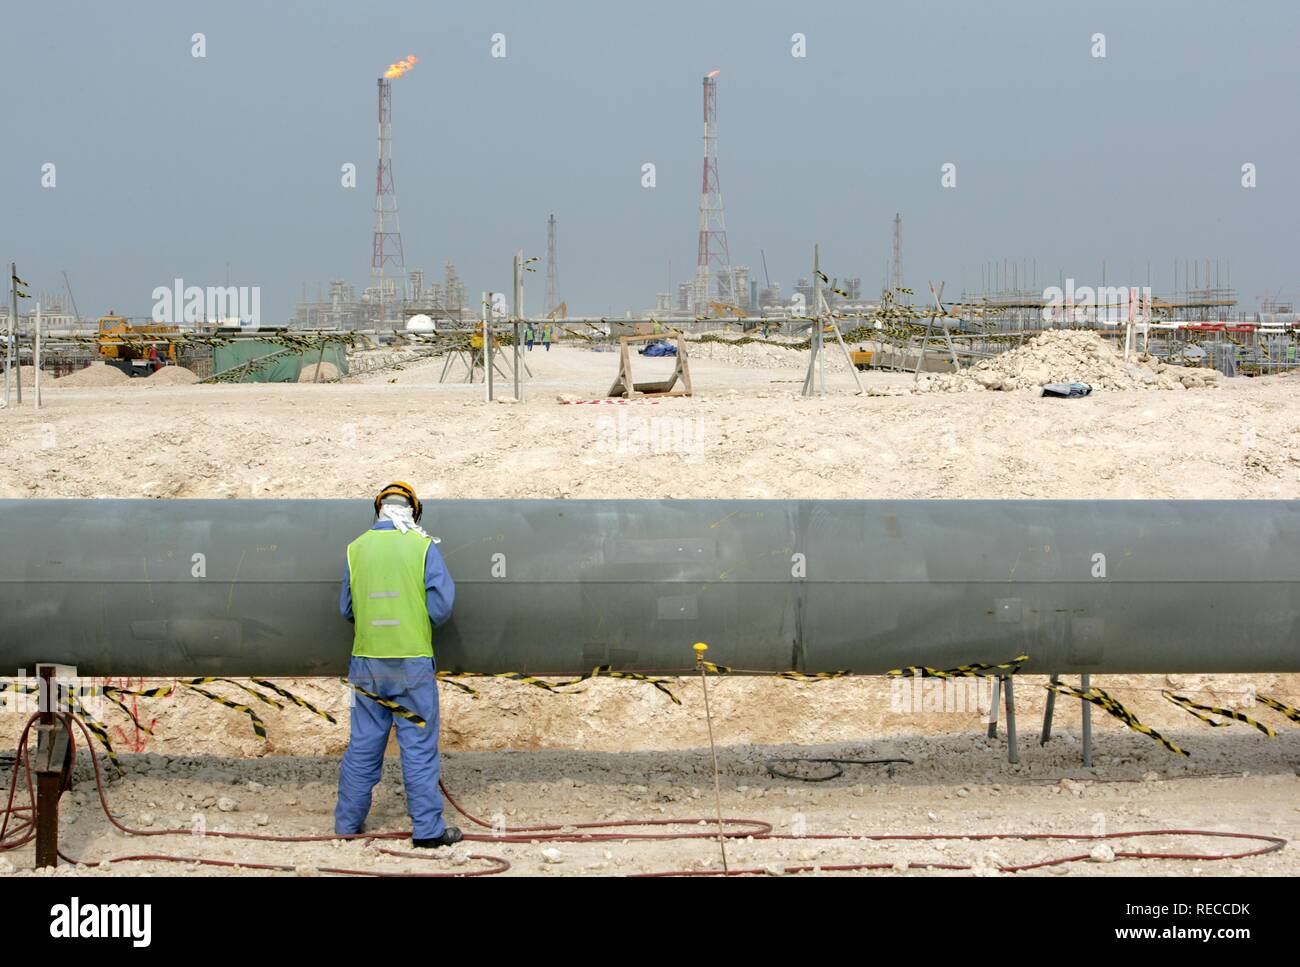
pixel 137 350
pixel 862 358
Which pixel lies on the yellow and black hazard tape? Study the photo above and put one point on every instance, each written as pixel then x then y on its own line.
pixel 793 675
pixel 296 699
pixel 265 699
pixel 450 679
pixel 961 671
pixel 1196 709
pixel 566 687
pixel 76 708
pixel 1101 698
pixel 797 676
pixel 96 729
pixel 69 695
pixel 111 694
pixel 73 693
pixel 19 688
pixel 162 691
pixel 1291 713
pixel 519 677
pixel 230 681
pixel 608 671
pixel 840 292
pixel 259 727
pixel 399 710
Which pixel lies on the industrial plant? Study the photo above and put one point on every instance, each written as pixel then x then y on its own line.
pixel 843 568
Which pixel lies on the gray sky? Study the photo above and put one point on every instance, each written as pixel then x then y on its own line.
pixel 169 165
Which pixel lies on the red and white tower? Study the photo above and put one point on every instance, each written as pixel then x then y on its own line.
pixel 713 262
pixel 387 261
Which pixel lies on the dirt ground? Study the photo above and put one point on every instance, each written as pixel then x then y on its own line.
pixel 623 750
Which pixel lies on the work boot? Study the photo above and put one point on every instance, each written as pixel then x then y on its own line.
pixel 450 836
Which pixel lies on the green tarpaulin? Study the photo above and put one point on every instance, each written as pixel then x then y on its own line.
pixel 284 367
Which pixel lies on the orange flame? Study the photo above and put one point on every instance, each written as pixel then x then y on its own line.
pixel 401 67
pixel 713 73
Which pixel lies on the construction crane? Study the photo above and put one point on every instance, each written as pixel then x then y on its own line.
pixel 135 350
pixel 76 315
pixel 724 308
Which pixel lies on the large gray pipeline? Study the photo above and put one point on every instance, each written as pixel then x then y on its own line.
pixel 196 587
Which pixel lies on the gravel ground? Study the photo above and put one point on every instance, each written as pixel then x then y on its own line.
pixel 957 786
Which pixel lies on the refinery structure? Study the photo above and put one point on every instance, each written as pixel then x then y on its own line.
pixel 1009 291
pixel 1201 314
pixel 1010 294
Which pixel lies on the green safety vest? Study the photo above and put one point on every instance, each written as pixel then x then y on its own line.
pixel 386 568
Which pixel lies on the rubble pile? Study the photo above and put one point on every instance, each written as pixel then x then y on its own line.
pixel 1068 356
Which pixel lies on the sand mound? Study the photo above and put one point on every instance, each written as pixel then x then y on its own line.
pixel 1068 356
pixel 327 371
pixel 173 376
pixel 96 374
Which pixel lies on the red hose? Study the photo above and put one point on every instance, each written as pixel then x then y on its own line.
pixel 24 832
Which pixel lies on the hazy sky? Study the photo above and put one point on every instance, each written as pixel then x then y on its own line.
pixel 171 166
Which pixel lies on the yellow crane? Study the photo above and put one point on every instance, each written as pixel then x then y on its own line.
pixel 136 350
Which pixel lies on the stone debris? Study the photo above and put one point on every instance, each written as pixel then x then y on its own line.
pixel 1068 356
pixel 1102 853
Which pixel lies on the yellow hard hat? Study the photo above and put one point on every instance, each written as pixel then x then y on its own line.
pixel 400 488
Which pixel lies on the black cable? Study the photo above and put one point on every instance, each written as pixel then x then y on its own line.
pixel 772 769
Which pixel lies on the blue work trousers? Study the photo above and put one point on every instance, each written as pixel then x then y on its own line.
pixel 410 683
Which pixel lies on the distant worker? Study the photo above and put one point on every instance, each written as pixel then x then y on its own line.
pixel 546 337
pixel 396 590
pixel 530 335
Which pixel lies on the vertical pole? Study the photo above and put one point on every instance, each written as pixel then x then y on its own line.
pixel 1013 751
pixel 1085 682
pixel 9 336
pixel 10 339
pixel 848 357
pixel 700 648
pixel 817 312
pixel 1048 710
pixel 993 707
pixel 487 345
pixel 519 314
pixel 47 781
pixel 36 356
pixel 815 333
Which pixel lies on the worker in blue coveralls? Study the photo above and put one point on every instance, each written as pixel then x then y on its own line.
pixel 396 590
